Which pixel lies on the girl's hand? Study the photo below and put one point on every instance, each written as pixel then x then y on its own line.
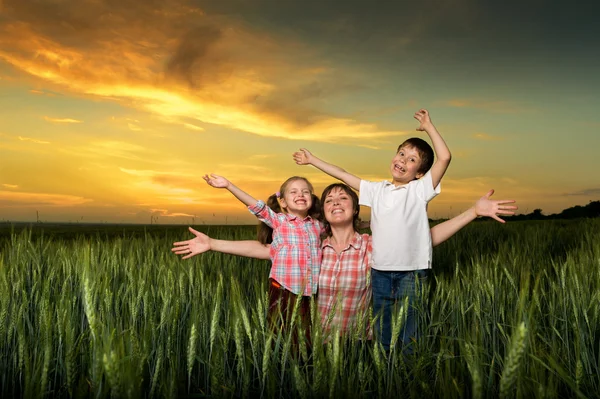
pixel 303 157
pixel 422 116
pixel 216 181
pixel 192 247
pixel 486 207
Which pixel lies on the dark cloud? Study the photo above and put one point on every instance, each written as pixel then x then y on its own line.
pixel 299 104
pixel 191 58
pixel 177 181
pixel 431 31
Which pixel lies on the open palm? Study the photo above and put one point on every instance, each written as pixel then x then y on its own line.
pixel 422 116
pixel 193 247
pixel 302 157
pixel 216 181
pixel 492 208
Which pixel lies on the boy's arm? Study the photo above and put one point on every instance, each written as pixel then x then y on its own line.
pixel 442 153
pixel 221 182
pixel 203 243
pixel 483 207
pixel 304 157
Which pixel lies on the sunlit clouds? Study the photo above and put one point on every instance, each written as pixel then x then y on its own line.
pixel 114 111
pixel 197 69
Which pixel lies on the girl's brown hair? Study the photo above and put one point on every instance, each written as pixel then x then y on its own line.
pixel 265 233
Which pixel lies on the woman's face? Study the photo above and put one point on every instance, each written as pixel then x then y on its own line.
pixel 338 207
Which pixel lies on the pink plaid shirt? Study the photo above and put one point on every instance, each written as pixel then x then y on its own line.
pixel 345 286
pixel 295 250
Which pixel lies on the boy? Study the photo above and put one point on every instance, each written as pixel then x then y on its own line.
pixel 401 235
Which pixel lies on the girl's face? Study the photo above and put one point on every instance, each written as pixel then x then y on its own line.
pixel 297 198
pixel 338 207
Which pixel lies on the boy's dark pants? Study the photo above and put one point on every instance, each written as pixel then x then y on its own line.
pixel 389 290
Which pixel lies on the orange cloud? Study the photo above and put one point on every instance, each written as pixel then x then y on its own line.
pixel 166 213
pixel 111 148
pixel 174 61
pixel 24 199
pixel 10 185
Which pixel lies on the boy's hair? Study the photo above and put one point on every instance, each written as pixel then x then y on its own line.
pixel 355 206
pixel 425 152
pixel 265 233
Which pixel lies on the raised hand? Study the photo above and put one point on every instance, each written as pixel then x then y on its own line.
pixel 422 116
pixel 492 208
pixel 216 181
pixel 195 246
pixel 302 157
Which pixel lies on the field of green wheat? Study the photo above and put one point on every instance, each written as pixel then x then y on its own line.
pixel 511 311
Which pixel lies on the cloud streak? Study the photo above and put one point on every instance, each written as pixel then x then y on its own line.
pixel 27 199
pixel 31 140
pixel 589 192
pixel 487 137
pixel 61 120
pixel 497 106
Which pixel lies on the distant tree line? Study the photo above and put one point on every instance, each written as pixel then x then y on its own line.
pixel 591 210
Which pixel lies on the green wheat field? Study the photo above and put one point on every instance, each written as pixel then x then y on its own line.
pixel 108 311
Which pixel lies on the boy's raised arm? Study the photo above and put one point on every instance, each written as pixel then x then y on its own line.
pixel 442 152
pixel 203 243
pixel 221 182
pixel 483 207
pixel 304 157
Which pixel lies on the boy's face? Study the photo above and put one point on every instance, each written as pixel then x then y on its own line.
pixel 405 165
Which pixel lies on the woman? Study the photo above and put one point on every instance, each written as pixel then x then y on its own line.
pixel 344 292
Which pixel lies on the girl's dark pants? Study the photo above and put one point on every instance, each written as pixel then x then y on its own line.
pixel 281 308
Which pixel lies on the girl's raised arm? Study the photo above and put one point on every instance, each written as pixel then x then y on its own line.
pixel 203 243
pixel 221 182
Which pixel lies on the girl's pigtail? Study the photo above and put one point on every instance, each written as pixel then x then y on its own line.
pixel 265 233
pixel 315 210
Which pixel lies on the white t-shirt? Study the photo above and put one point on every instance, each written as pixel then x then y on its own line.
pixel 401 233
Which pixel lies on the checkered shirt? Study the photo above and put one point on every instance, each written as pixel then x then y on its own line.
pixel 295 250
pixel 345 286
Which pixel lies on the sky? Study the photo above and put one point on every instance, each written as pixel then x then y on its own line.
pixel 112 111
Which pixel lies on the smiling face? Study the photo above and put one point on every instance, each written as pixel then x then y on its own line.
pixel 340 207
pixel 296 197
pixel 405 165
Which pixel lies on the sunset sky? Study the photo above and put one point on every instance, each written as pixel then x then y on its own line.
pixel 113 110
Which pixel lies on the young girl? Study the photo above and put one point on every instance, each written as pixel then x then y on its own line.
pixel 291 218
